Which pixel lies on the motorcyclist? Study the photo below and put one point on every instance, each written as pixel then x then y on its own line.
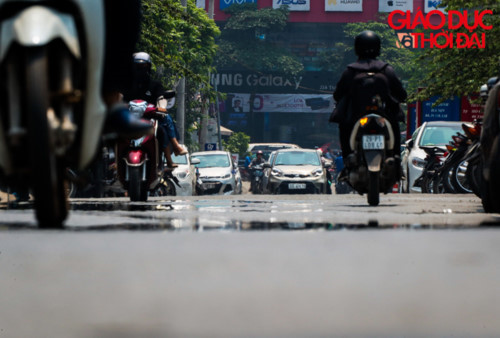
pixel 367 48
pixel 258 160
pixel 149 90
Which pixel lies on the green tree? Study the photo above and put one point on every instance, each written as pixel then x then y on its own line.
pixel 181 42
pixel 453 71
pixel 401 59
pixel 244 41
pixel 237 144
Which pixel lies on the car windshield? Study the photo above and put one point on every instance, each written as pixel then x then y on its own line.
pixel 211 161
pixel 296 158
pixel 437 135
pixel 181 159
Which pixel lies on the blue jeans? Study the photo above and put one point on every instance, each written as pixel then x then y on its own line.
pixel 167 130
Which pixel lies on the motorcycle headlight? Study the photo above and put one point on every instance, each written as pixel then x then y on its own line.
pixel 317 172
pixel 276 172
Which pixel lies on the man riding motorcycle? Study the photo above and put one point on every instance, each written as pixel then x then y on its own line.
pixel 367 48
pixel 149 90
pixel 258 160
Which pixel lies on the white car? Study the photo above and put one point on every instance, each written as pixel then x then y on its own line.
pixel 218 173
pixel 186 174
pixel 435 133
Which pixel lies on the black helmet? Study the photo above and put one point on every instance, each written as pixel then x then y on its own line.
pixel 367 45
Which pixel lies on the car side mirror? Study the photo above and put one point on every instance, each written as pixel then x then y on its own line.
pixel 266 165
pixel 195 161
pixel 327 165
pixel 410 143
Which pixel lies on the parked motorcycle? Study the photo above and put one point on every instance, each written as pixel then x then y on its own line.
pixel 51 116
pixel 141 167
pixel 372 166
pixel 433 161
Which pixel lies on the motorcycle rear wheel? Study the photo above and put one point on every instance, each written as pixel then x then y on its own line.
pixel 47 170
pixel 459 178
pixel 373 188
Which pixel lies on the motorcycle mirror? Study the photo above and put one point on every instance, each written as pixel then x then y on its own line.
pixel 169 94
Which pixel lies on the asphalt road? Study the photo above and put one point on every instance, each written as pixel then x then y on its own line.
pixel 430 269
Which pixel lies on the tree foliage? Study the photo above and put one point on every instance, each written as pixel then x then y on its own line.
pixel 244 42
pixel 237 144
pixel 181 42
pixel 453 71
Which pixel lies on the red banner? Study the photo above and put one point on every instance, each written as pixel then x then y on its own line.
pixel 470 111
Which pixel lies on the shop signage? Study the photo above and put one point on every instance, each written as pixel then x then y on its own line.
pixel 293 5
pixel 344 5
pixel 387 6
pixel 226 3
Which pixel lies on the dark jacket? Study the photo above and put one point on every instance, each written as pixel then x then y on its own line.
pixel 148 91
pixel 397 92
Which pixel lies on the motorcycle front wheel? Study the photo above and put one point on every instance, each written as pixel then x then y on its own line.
pixel 373 188
pixel 136 188
pixel 47 170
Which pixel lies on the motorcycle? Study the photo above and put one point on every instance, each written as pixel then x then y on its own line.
pixel 433 161
pixel 257 172
pixel 140 164
pixel 372 166
pixel 51 116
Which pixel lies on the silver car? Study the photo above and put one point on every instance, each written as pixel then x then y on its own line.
pixel 218 173
pixel 297 171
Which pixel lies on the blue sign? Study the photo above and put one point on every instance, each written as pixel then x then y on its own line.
pixel 448 110
pixel 210 146
pixel 226 3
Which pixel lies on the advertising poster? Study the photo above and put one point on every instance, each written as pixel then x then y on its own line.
pixel 344 5
pixel 279 103
pixel 293 5
pixel 387 6
pixel 449 110
pixel 226 3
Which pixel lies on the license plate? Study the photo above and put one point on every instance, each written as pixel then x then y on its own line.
pixel 373 142
pixel 209 185
pixel 296 186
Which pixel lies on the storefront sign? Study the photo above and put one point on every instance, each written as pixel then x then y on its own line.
pixel 293 5
pixel 248 82
pixel 392 5
pixel 470 110
pixel 344 5
pixel 278 103
pixel 449 110
pixel 226 3
pixel 431 5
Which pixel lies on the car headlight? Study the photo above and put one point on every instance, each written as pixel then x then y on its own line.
pixel 182 174
pixel 226 176
pixel 419 163
pixel 317 172
pixel 276 172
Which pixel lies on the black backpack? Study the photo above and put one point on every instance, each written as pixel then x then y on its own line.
pixel 369 93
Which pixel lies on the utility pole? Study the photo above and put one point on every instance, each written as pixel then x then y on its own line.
pixel 181 95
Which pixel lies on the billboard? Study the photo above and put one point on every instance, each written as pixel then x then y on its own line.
pixel 393 5
pixel 293 5
pixel 344 5
pixel 226 3
pixel 448 110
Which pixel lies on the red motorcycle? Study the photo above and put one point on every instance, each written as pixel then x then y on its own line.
pixel 140 162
